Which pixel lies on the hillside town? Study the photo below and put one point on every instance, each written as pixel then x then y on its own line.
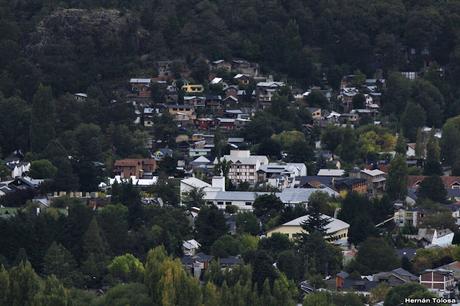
pixel 256 168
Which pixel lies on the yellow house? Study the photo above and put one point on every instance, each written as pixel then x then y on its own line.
pixel 193 88
pixel 335 230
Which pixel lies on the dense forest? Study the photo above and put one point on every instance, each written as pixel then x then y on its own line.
pixel 72 45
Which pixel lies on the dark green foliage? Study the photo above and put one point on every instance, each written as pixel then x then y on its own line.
pixel 267 206
pixel 316 221
pixel 246 222
pixel 225 246
pixel 374 248
pixel 42 124
pixel 433 188
pixel 210 225
pixel 288 263
pixel 397 178
pixel 357 211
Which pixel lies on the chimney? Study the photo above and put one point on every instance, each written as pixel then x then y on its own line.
pixel 218 182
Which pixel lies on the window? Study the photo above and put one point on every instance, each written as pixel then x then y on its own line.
pixel 248 203
pixel 220 203
pixel 228 203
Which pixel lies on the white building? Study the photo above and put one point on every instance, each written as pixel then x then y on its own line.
pixel 331 172
pixel 280 175
pixel 190 247
pixel 244 166
pixel 215 194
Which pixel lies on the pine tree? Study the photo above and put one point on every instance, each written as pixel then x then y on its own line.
pixel 53 294
pixel 92 240
pixel 397 178
pixel 419 145
pixel 94 251
pixel 60 262
pixel 401 144
pixel 210 295
pixel 24 285
pixel 42 122
pixel 432 164
pixel 4 286
pixel 316 221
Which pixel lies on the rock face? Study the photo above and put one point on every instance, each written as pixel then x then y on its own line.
pixel 105 28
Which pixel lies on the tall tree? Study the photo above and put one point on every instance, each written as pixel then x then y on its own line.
pixel 433 188
pixel 397 178
pixel 413 117
pixel 42 121
pixel 316 221
pixel 210 225
pixel 432 163
pixel 24 285
pixel 59 261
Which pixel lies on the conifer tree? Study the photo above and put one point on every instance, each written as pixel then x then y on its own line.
pixel 24 285
pixel 4 286
pixel 42 121
pixel 60 262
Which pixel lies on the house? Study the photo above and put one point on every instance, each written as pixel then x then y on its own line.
pixel 196 152
pixel 242 79
pixel 314 181
pixel 266 90
pixel 80 96
pixel 230 101
pixel 134 167
pixel 335 230
pixel 244 166
pixel 201 163
pixel 192 88
pixel 350 184
pixel 161 153
pixel 431 237
pixel 226 123
pixel 214 102
pixel 216 81
pixel 232 91
pixel 454 267
pixel 408 216
pixel 235 142
pixel 344 282
pixel 18 168
pixel 395 277
pixel 346 97
pixel 280 175
pixel 375 179
pixel 148 115
pixel 439 280
pixel 190 247
pixel 189 184
pixel 315 113
pixel 245 67
pixel 196 264
pixel 195 101
pixel 182 112
pixel 204 123
pixel 331 172
pixel 141 87
pixel 221 65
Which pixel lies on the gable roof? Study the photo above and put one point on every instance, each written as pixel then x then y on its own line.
pixel 334 226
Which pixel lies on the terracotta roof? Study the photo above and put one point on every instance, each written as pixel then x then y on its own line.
pixel 133 162
pixel 414 180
